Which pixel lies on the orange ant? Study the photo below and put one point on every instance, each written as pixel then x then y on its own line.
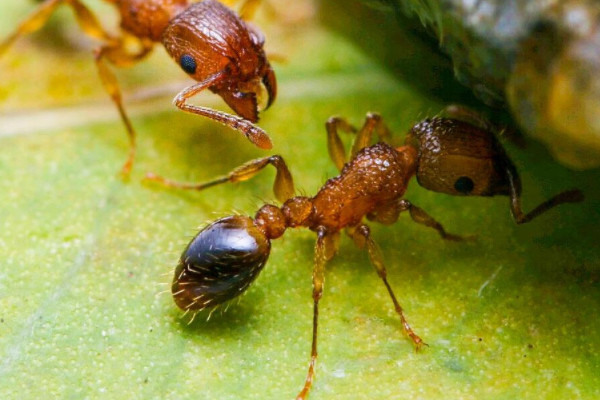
pixel 457 155
pixel 210 42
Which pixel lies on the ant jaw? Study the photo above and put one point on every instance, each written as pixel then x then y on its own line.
pixel 220 263
pixel 248 98
pixel 270 83
pixel 245 104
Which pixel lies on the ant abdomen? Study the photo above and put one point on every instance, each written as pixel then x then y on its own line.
pixel 219 263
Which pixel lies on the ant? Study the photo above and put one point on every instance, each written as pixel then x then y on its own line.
pixel 458 155
pixel 210 43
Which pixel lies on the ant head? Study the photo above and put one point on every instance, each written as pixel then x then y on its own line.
pixel 458 158
pixel 219 263
pixel 208 40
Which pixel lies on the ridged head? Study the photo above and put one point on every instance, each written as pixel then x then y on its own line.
pixel 210 40
pixel 458 158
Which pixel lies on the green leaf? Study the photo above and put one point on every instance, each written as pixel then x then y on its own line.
pixel 85 256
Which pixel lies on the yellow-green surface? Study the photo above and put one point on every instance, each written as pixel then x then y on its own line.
pixel 84 256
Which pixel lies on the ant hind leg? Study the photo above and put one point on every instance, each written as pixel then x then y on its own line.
pixel 321 256
pixel 113 50
pixel 87 21
pixel 116 55
pixel 373 122
pixel 337 152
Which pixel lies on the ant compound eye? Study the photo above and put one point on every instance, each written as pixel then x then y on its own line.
pixel 188 64
pixel 219 263
pixel 464 184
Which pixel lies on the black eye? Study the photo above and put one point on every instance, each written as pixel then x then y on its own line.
pixel 188 64
pixel 464 185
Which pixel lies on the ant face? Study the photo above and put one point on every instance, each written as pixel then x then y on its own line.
pixel 208 40
pixel 459 158
pixel 219 263
pixel 249 97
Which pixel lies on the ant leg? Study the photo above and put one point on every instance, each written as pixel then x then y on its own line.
pixel 373 122
pixel 332 244
pixel 388 214
pixel 337 152
pixel 421 217
pixel 248 9
pixel 252 132
pixel 514 183
pixel 283 186
pixel 88 23
pixel 117 55
pixel 362 236
pixel 318 280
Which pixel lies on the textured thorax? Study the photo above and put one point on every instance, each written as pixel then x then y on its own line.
pixel 148 18
pixel 213 35
pixel 375 177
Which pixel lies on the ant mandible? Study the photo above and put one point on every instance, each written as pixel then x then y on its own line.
pixel 210 42
pixel 458 155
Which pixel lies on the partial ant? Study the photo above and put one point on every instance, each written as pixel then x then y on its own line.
pixel 457 154
pixel 210 42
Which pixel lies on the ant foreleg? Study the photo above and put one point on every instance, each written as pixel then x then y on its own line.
pixel 117 55
pixel 87 21
pixel 283 186
pixel 318 280
pixel 255 134
pixel 362 237
pixel 421 217
pixel 389 214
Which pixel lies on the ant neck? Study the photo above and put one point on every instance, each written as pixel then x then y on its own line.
pixel 410 155
pixel 273 221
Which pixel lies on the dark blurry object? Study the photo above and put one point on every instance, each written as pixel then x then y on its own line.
pixel 541 59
